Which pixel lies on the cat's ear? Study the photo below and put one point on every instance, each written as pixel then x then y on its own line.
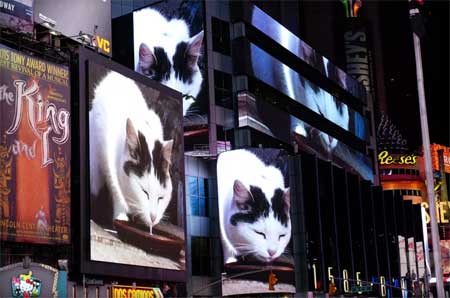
pixel 241 194
pixel 194 49
pixel 287 200
pixel 146 56
pixel 132 137
pixel 167 150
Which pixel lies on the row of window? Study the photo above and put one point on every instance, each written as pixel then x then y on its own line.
pixel 409 192
pixel 399 172
pixel 200 191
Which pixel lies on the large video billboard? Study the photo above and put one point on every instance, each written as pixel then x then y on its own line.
pixel 17 15
pixel 136 172
pixel 255 221
pixel 169 47
pixel 35 149
pixel 82 19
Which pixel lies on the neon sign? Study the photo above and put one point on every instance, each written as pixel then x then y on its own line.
pixel 384 158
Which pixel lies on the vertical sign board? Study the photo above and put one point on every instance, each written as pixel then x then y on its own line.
pixel 357 53
pixel 255 221
pixel 17 15
pixel 34 149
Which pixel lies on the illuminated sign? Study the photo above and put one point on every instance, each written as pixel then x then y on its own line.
pixel 25 285
pixel 384 158
pixel 135 292
pixel 435 157
pixel 442 212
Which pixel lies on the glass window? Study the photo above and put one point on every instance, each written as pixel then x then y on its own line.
pixel 200 248
pixel 221 36
pixel 222 89
pixel 199 192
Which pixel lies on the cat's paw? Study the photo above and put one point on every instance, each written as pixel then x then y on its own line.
pixel 122 216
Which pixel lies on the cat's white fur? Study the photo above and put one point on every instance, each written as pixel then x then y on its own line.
pixel 118 99
pixel 155 30
pixel 241 240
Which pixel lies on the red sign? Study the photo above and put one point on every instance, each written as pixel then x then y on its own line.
pixel 435 157
pixel 34 149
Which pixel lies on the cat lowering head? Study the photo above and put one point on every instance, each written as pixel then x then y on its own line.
pixel 146 176
pixel 260 225
pixel 168 54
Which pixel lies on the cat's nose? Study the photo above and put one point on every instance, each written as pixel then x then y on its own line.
pixel 153 217
pixel 271 252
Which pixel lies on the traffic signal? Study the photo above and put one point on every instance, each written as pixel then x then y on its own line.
pixel 272 281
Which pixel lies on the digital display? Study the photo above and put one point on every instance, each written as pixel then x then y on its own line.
pixel 289 82
pixel 17 15
pixel 136 171
pixel 86 21
pixel 35 149
pixel 255 221
pixel 169 47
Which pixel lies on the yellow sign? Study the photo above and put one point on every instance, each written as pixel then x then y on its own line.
pixel 384 158
pixel 135 292
pixel 442 212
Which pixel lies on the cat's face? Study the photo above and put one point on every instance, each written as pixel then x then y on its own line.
pixel 260 226
pixel 146 176
pixel 174 63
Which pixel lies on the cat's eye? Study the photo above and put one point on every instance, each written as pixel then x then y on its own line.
pixel 260 233
pixel 282 235
pixel 146 193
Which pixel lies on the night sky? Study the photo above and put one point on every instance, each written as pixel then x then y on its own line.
pixel 400 72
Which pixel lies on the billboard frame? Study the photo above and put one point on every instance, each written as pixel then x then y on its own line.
pixel 81 262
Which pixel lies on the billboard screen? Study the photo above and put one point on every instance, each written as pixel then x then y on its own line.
pixel 136 171
pixel 289 82
pixel 35 149
pixel 268 119
pixel 17 15
pixel 255 221
pixel 93 19
pixel 169 47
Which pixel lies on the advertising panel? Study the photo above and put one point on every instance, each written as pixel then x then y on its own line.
pixel 289 82
pixel 17 15
pixel 290 42
pixel 435 157
pixel 255 221
pixel 136 171
pixel 268 119
pixel 92 24
pixel 169 47
pixel 135 292
pixel 35 149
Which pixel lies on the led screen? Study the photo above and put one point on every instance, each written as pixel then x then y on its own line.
pixel 87 21
pixel 255 221
pixel 169 48
pixel 286 80
pixel 35 149
pixel 136 172
pixel 17 15
pixel 262 116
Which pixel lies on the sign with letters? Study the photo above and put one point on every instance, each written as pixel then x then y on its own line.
pixel 135 292
pixel 384 158
pixel 34 149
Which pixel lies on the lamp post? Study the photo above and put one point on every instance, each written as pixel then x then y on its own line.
pixel 415 13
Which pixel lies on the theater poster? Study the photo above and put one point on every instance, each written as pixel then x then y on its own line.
pixel 34 149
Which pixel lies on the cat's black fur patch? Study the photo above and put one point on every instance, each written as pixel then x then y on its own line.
pixel 279 207
pixel 162 66
pixel 258 207
pixel 160 163
pixel 182 62
pixel 142 160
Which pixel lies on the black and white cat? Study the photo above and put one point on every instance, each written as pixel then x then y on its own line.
pixel 254 207
pixel 128 154
pixel 165 52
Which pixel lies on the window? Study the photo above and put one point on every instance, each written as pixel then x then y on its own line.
pixel 198 195
pixel 200 250
pixel 220 36
pixel 222 89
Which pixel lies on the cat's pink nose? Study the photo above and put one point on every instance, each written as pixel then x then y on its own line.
pixel 271 252
pixel 153 217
